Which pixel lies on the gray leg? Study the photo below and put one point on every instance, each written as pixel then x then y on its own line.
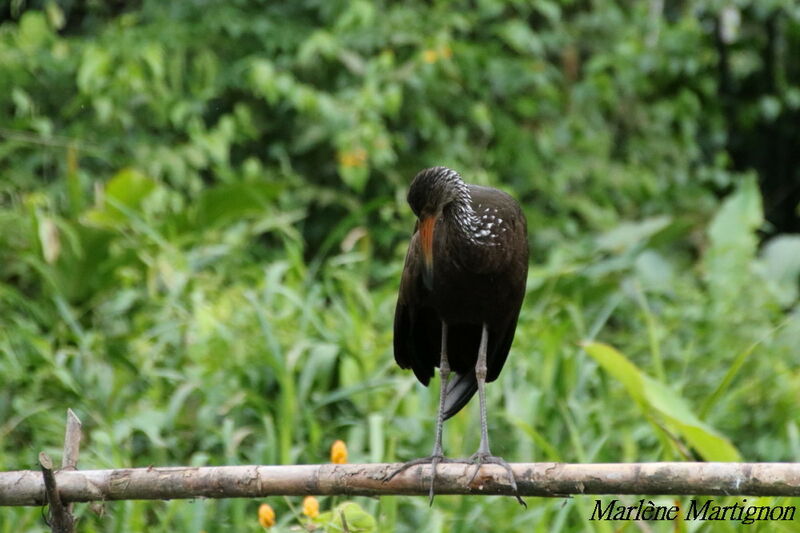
pixel 444 372
pixel 480 373
pixel 483 455
pixel 436 456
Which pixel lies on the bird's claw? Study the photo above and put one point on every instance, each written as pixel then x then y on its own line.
pixel 482 458
pixel 433 460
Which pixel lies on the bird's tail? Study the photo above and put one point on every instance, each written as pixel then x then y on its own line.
pixel 459 390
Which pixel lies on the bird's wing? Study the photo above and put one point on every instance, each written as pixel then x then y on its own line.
pixel 417 330
pixel 508 222
pixel 497 356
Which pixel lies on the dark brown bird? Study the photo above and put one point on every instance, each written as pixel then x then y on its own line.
pixel 460 294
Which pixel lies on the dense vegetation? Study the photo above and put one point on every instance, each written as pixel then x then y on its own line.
pixel 203 221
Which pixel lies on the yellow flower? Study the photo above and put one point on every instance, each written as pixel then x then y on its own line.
pixel 310 507
pixel 339 453
pixel 429 56
pixel 266 516
pixel 353 158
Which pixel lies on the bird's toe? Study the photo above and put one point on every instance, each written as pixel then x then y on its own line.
pixel 482 458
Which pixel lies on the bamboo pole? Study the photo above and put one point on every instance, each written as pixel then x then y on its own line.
pixel 534 479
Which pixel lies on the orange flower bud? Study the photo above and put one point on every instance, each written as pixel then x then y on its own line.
pixel 310 507
pixel 339 453
pixel 266 515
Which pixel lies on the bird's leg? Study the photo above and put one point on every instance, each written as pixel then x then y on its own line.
pixel 480 374
pixel 483 455
pixel 444 373
pixel 436 456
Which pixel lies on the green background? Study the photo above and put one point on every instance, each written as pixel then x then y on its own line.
pixel 203 223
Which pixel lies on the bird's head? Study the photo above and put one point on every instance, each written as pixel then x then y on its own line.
pixel 431 191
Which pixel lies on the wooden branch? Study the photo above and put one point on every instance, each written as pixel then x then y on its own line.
pixel 60 520
pixel 534 479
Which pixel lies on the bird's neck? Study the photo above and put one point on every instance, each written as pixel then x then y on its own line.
pixel 465 222
pixel 473 229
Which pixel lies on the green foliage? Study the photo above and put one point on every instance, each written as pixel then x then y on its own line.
pixel 657 401
pixel 203 222
pixel 349 513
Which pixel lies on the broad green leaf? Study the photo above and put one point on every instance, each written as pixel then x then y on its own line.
pixel 654 396
pixel 728 261
pixel 94 69
pixel 354 174
pixel 153 55
pixel 320 45
pixel 550 10
pixel 740 215
pixel 781 258
pixel 519 36
pixel 618 366
pixel 33 30
pixel 356 518
pixel 55 15
pixel 629 234
pixel 126 191
pixel 654 271
pixel 234 201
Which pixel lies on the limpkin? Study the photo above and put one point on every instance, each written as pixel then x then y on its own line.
pixel 460 294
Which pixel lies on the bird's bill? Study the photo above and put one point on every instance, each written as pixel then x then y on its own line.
pixel 426 226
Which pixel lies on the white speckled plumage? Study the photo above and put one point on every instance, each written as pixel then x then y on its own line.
pixel 476 228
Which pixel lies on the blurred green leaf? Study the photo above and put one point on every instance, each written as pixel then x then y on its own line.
pixel 627 235
pixel 234 201
pixel 126 191
pixel 521 37
pixel 55 15
pixel 33 31
pixel 728 261
pixel 738 217
pixel 94 68
pixel 350 513
pixel 781 258
pixel 653 396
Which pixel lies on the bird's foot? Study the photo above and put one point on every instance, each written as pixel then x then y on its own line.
pixel 433 460
pixel 482 458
